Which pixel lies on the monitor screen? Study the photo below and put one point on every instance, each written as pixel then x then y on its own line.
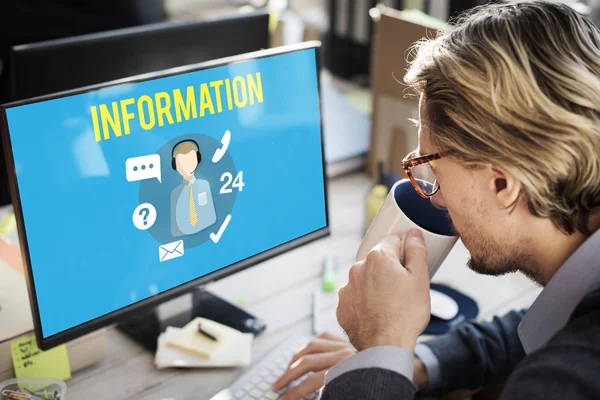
pixel 131 191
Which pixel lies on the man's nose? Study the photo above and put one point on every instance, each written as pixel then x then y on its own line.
pixel 438 200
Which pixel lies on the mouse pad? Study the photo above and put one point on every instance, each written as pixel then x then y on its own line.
pixel 467 310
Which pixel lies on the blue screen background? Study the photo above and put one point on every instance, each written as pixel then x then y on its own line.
pixel 87 257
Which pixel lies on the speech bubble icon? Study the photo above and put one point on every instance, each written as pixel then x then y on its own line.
pixel 143 167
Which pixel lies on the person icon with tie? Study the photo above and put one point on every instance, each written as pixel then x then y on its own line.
pixel 192 206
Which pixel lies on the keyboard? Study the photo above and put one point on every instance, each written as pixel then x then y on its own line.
pixel 257 381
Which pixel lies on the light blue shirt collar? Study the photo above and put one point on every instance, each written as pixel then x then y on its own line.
pixel 578 276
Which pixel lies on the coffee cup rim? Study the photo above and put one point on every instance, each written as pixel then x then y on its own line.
pixel 393 194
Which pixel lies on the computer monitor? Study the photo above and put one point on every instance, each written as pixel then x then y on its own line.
pixel 130 193
pixel 64 64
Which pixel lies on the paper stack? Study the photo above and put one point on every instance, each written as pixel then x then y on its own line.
pixel 186 348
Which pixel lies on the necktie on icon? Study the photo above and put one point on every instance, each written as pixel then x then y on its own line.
pixel 193 216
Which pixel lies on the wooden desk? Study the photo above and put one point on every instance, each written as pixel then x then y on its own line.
pixel 279 291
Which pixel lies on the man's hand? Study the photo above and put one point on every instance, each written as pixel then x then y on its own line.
pixel 318 356
pixel 385 303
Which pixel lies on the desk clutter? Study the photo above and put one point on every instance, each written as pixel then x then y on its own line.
pixel 203 343
pixel 33 389
pixel 39 373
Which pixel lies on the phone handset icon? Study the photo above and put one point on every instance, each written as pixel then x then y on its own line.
pixel 219 153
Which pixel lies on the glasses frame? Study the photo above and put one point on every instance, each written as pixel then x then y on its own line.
pixel 408 163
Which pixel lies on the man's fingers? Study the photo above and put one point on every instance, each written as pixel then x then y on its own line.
pixel 306 364
pixel 415 253
pixel 288 376
pixel 354 273
pixel 391 245
pixel 309 385
pixel 319 345
pixel 302 366
pixel 330 336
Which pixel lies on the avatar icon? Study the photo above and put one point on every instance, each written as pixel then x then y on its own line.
pixel 192 206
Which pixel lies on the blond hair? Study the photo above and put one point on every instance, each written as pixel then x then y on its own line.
pixel 517 85
pixel 184 148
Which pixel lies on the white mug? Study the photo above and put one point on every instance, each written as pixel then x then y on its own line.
pixel 403 210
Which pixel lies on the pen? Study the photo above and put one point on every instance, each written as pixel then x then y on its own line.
pixel 315 312
pixel 204 332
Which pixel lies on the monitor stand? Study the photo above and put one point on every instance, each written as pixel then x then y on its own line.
pixel 145 327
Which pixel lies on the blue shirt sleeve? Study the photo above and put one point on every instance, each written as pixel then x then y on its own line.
pixel 432 365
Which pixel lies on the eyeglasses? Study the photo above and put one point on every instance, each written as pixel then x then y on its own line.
pixel 421 174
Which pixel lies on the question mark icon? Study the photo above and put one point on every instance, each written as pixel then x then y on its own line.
pixel 144 216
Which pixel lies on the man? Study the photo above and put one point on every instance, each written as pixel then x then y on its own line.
pixel 192 206
pixel 510 111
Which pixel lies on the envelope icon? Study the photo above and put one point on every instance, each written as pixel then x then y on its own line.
pixel 170 250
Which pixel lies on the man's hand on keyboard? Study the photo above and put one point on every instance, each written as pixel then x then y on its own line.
pixel 321 354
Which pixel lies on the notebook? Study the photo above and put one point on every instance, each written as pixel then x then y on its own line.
pixel 238 353
pixel 188 339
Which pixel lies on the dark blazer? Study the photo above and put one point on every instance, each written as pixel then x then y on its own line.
pixel 566 368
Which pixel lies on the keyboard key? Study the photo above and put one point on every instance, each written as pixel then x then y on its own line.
pixel 280 369
pixel 278 373
pixel 271 396
pixel 258 385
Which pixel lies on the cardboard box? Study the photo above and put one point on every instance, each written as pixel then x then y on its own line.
pixel 393 103
pixel 287 28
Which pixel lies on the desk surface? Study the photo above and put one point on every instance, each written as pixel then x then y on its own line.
pixel 281 294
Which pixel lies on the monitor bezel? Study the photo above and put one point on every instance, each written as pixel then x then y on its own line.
pixel 108 319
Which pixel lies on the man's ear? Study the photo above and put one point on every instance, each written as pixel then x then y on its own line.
pixel 504 186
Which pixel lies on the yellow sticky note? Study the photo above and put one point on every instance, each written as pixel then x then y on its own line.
pixel 8 223
pixel 30 362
